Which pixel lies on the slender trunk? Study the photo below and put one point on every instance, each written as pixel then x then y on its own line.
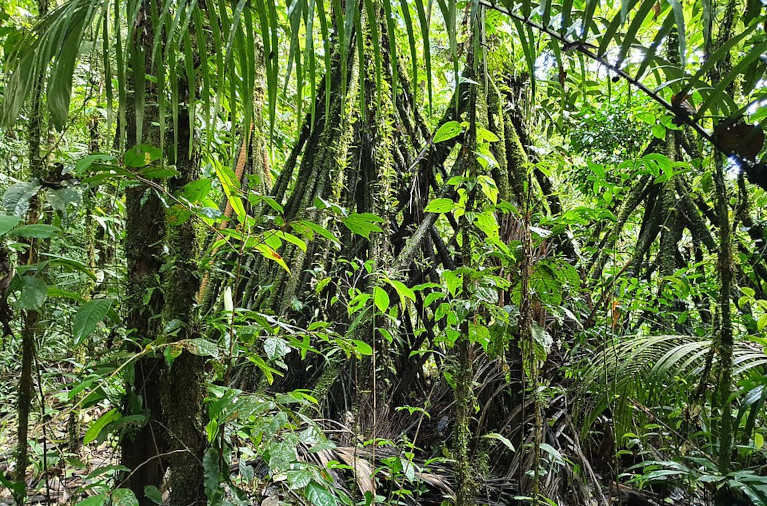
pixel 143 451
pixel 28 257
pixel 183 390
pixel 466 483
pixel 724 265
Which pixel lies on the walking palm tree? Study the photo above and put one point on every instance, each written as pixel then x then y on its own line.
pixel 181 63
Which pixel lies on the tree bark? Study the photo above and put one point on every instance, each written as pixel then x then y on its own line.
pixel 143 450
pixel 31 318
pixel 183 387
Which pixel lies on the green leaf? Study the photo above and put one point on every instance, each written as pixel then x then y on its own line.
pixel 213 474
pixel 18 488
pixel 89 316
pixel 292 239
pixel 440 206
pixel 432 297
pixel 630 36
pixel 124 497
pixel 381 299
pixel 7 223
pixel 762 322
pixel 172 352
pixel 299 478
pixel 201 347
pixel 95 429
pixel 318 229
pixel 276 348
pixel 153 494
pixel 424 21
pixel 34 292
pixel 362 348
pixel 546 286
pixel 38 231
pixel 405 9
pixel 676 6
pixel 94 500
pixel 489 188
pixel 158 172
pixel 588 15
pixel 76 17
pixel 660 36
pixel 402 290
pixel 231 187
pixel 486 135
pixel 86 163
pixel 498 437
pixel 281 454
pixel 318 495
pixel 721 87
pixel 268 252
pixel 60 199
pixel 196 191
pixel 758 440
pixel 713 59
pixel 646 117
pixel 16 197
pixel 69 263
pixel 528 48
pixel 487 223
pixel 447 131
pixel 363 224
pixel 141 156
pixel 607 36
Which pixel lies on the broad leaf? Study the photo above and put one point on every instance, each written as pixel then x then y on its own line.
pixel 37 231
pixel 16 197
pixel 89 316
pixel 124 497
pixel 141 156
pixel 440 205
pixel 363 224
pixel 318 495
pixel 447 131
pixel 34 292
pixel 268 252
pixel 95 429
pixel 7 223
pixel 381 299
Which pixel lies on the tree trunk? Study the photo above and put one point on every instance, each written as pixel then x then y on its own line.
pixel 182 388
pixel 30 317
pixel 143 450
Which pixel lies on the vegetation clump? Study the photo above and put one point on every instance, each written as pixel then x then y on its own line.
pixel 372 252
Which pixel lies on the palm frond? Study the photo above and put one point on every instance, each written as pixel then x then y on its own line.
pixel 650 370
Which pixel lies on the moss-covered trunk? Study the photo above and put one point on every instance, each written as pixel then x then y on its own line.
pixel 183 387
pixel 143 449
pixel 31 317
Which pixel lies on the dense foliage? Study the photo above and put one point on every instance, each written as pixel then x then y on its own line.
pixel 356 252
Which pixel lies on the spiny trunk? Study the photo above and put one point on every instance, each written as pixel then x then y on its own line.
pixel 725 340
pixel 724 266
pixel 368 184
pixel 323 162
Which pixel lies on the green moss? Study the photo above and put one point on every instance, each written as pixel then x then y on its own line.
pixel 496 124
